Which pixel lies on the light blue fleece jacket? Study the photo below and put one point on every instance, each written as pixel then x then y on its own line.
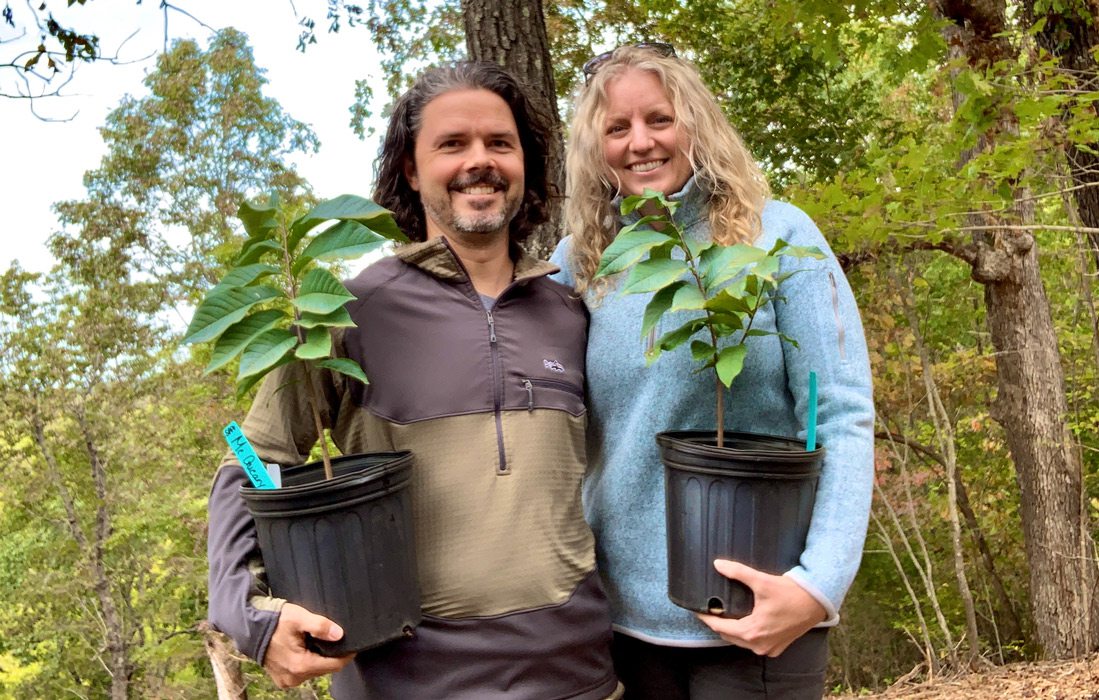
pixel 630 403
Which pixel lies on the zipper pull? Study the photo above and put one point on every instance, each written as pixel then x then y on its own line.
pixel 530 394
pixel 491 327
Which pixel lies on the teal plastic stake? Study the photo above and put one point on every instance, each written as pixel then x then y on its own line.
pixel 811 429
pixel 253 466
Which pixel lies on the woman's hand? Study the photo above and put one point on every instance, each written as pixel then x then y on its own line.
pixel 783 611
pixel 288 661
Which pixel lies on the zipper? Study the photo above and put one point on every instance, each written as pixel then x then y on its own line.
pixel 530 383
pixel 497 394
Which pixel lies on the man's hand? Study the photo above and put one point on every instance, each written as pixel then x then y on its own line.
pixel 783 611
pixel 288 661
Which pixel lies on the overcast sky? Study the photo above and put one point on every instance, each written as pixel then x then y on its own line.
pixel 43 162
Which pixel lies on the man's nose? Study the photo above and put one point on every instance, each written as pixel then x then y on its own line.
pixel 480 156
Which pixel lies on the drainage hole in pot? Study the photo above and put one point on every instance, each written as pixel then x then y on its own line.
pixel 408 632
pixel 716 606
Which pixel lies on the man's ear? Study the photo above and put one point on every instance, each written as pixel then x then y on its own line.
pixel 410 174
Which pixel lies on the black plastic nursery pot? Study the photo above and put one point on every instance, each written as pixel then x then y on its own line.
pixel 343 548
pixel 750 500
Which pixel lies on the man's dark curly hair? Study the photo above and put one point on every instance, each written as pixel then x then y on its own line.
pixel 392 189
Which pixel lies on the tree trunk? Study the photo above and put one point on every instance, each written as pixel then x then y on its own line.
pixel 1072 37
pixel 228 676
pixel 1031 404
pixel 944 431
pixel 512 33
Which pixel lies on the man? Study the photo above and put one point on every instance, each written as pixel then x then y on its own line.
pixel 476 364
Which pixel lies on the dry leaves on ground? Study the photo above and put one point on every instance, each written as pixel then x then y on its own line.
pixel 1047 680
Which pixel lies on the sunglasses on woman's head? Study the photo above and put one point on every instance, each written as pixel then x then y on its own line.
pixel 592 66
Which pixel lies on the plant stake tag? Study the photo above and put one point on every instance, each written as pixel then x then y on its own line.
pixel 249 460
pixel 811 429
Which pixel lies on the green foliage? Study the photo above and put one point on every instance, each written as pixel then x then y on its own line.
pixel 277 305
pixel 724 285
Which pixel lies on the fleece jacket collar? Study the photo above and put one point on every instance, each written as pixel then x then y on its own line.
pixel 437 258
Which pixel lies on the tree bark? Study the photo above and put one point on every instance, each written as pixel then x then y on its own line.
pixel 1031 403
pixel 228 676
pixel 1071 37
pixel 512 33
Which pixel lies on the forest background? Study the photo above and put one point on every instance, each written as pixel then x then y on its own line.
pixel 948 149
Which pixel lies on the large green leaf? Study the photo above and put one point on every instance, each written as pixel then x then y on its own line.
pixel 243 385
pixel 344 366
pixel 719 264
pixel 254 249
pixel 222 309
pixel 244 276
pixel 345 240
pixel 673 339
pixel 235 338
pixel 660 303
pixel 627 248
pixel 347 207
pixel 260 220
pixel 688 298
pixel 730 361
pixel 338 318
pixel 651 275
pixel 265 351
pixel 317 345
pixel 321 293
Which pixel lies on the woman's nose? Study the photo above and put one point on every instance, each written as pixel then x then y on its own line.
pixel 640 139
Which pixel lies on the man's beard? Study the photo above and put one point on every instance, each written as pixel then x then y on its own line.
pixel 490 220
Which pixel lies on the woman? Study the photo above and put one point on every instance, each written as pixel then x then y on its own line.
pixel 646 120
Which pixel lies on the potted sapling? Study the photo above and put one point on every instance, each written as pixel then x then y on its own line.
pixel 336 535
pixel 729 495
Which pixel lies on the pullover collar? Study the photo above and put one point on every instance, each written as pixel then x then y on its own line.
pixel 438 259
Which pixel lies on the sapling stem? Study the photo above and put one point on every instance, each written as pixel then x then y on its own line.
pixel 311 387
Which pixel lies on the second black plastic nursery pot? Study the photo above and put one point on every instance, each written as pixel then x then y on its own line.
pixel 750 500
pixel 345 547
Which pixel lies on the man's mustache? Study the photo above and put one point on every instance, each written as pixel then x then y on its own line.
pixel 492 178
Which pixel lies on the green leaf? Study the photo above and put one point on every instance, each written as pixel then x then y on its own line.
pixel 346 240
pixel 728 302
pixel 338 318
pixel 347 207
pixel 802 251
pixel 321 293
pixel 651 275
pixel 222 309
pixel 317 345
pixel 259 220
pixel 265 351
pixel 688 298
pixel 254 248
pixel 658 305
pixel 702 352
pixel 235 338
pixel 243 385
pixel 346 366
pixel 244 276
pixel 719 264
pixel 766 268
pixel 730 361
pixel 673 339
pixel 627 248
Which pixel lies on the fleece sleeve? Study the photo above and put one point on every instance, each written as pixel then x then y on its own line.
pixel 820 313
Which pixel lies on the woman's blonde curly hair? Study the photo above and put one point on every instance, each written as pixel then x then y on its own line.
pixel 721 163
